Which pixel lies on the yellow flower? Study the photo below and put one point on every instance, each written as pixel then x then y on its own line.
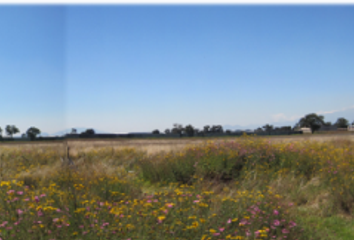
pixel 212 231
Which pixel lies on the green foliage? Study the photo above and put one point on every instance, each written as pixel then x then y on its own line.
pixel 312 121
pixel 32 132
pixel 11 130
pixel 342 123
pixel 156 131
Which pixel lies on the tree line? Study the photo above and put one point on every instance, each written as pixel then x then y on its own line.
pixel 10 130
pixel 312 121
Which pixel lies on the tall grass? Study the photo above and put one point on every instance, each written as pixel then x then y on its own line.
pixel 249 189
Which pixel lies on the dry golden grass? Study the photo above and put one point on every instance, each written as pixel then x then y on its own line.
pixel 152 146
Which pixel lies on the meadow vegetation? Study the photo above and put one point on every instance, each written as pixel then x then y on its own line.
pixel 251 188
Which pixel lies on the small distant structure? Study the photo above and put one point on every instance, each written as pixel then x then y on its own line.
pixel 351 128
pixel 306 130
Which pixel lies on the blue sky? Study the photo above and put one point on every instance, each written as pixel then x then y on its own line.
pixel 137 68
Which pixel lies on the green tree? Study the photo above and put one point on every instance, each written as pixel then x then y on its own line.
pixel 268 128
pixel 0 132
pixel 167 131
pixel 312 121
pixel 189 129
pixel 156 131
pixel 342 123
pixel 206 128
pixel 11 130
pixel 177 128
pixel 89 131
pixel 216 129
pixel 328 124
pixel 32 132
pixel 73 131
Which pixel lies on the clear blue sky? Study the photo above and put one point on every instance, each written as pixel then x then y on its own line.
pixel 138 68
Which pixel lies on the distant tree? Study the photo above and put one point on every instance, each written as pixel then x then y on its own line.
pixel 259 130
pixel 32 132
pixel 216 129
pixel 156 131
pixel 73 131
pixel 268 128
pixel 342 123
pixel 228 131
pixel 327 124
pixel 24 135
pixel 11 130
pixel 89 132
pixel 0 132
pixel 312 121
pixel 353 123
pixel 285 128
pixel 206 128
pixel 167 131
pixel 189 129
pixel 177 128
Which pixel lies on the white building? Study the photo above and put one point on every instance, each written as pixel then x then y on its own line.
pixel 351 128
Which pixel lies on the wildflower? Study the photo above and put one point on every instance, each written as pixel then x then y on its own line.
pixel 170 205
pixel 276 222
pixel 292 224
pixel 19 211
pixel 285 231
pixel 19 192
pixel 161 218
pixel 221 229
pixel 10 192
pixel 275 212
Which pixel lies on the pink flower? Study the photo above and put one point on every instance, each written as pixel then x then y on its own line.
pixel 81 226
pixel 55 219
pixel 58 210
pixel 285 231
pixel 36 198
pixel 291 204
pixel 149 201
pixel 19 192
pixel 275 212
pixel 216 234
pixel 170 205
pixel 292 224
pixel 165 211
pixel 19 211
pixel 276 222
pixel 196 201
pixel 10 191
pixel 221 229
pixel 229 221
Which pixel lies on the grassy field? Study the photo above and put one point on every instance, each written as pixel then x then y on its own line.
pixel 297 187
